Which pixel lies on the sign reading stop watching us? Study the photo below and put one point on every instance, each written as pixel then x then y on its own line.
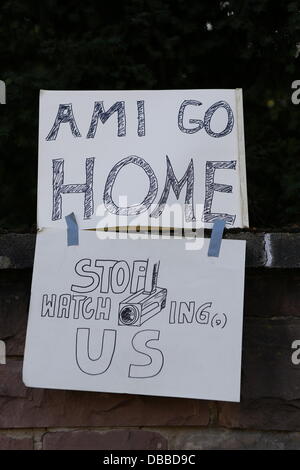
pixel 138 315
pixel 131 157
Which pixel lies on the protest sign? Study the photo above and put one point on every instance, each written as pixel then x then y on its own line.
pixel 129 158
pixel 136 316
pixel 131 314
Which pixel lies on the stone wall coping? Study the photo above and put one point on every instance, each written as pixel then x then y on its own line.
pixel 278 250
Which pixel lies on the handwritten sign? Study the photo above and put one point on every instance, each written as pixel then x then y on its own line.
pixel 136 316
pixel 131 157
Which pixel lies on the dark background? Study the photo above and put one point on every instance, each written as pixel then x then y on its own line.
pixel 153 44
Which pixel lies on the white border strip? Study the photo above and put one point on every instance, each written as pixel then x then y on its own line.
pixel 242 157
pixel 2 92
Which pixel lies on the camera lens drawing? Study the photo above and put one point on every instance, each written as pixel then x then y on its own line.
pixel 129 314
pixel 144 304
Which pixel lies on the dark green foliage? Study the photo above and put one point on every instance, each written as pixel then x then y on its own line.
pixel 155 44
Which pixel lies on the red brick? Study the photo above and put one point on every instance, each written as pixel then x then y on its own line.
pixel 14 301
pixel 272 293
pixel 15 443
pixel 232 439
pixel 267 369
pixel 111 440
pixel 264 414
pixel 25 407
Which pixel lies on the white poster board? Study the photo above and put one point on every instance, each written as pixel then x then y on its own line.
pixel 128 158
pixel 136 316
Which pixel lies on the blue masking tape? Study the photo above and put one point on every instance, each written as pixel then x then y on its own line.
pixel 216 237
pixel 72 230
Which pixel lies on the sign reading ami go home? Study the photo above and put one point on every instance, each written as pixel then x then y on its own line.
pixel 152 148
pixel 138 315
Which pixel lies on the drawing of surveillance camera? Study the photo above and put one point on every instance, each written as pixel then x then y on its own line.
pixel 144 304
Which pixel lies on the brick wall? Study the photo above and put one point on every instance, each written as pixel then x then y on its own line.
pixel 268 416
